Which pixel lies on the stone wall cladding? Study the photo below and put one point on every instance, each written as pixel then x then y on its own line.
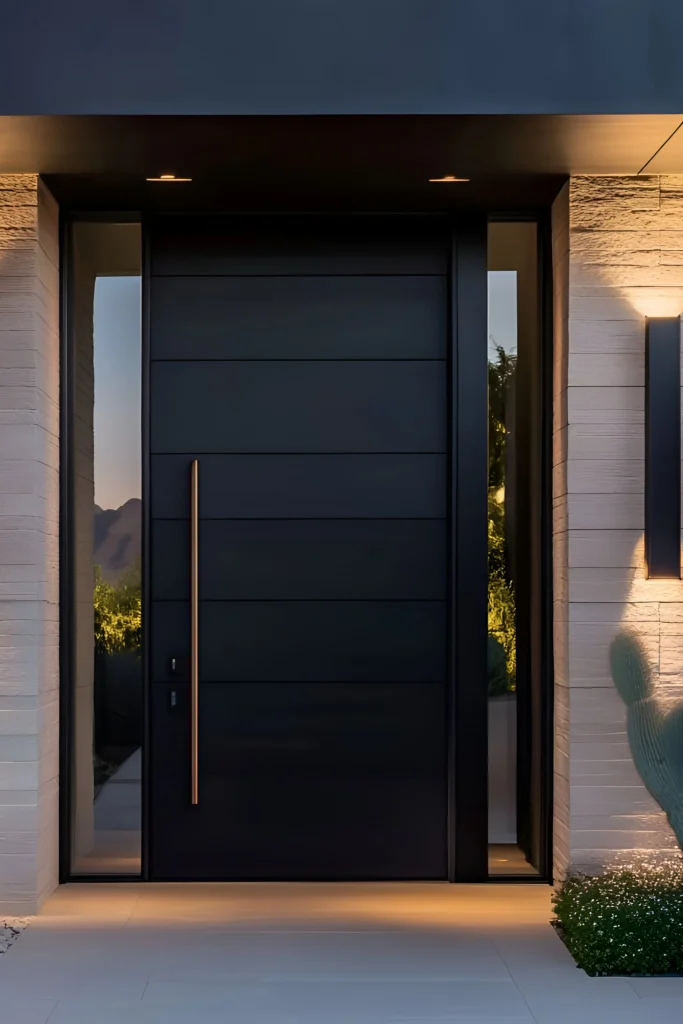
pixel 618 257
pixel 29 542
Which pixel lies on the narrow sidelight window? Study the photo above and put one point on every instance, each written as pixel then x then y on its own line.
pixel 514 551
pixel 104 521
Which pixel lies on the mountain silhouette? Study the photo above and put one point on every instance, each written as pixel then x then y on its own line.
pixel 118 535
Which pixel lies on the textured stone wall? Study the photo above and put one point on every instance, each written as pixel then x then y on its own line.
pixel 618 257
pixel 29 510
pixel 82 778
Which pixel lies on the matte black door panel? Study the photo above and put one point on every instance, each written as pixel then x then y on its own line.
pixel 375 317
pixel 302 362
pixel 295 559
pixel 302 641
pixel 302 782
pixel 235 246
pixel 302 486
pixel 298 406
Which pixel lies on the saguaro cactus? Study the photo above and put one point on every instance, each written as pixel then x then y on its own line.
pixel 655 728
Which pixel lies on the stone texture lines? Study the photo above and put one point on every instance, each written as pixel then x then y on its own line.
pixel 618 258
pixel 29 553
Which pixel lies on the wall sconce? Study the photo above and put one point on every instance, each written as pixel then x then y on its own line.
pixel 663 447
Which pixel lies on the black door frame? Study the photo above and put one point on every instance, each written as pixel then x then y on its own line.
pixel 468 568
pixel 467 721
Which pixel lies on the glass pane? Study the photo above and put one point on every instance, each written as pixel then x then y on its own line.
pixel 105 320
pixel 514 495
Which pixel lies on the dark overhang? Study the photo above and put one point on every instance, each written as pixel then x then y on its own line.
pixel 375 162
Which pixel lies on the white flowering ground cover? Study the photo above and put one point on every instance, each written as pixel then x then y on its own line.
pixel 10 930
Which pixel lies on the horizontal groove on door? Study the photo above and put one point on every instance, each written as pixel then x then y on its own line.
pixel 295 246
pixel 295 641
pixel 329 318
pixel 299 519
pixel 305 406
pixel 305 359
pixel 308 486
pixel 296 559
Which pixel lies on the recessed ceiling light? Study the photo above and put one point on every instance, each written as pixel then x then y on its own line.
pixel 168 177
pixel 449 177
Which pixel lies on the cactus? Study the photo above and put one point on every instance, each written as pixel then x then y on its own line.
pixel 655 730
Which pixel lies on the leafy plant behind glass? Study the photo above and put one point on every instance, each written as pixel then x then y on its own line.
pixel 502 646
pixel 118 612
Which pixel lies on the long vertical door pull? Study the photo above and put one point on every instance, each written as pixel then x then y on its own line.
pixel 194 628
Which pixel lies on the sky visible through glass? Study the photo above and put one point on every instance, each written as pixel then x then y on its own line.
pixel 118 393
pixel 502 293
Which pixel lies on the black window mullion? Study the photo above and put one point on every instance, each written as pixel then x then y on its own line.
pixel 468 704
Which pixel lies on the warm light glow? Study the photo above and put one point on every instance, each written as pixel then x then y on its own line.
pixel 430 907
pixel 168 177
pixel 449 177
pixel 652 302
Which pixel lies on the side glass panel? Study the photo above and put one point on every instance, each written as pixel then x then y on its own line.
pixel 105 506
pixel 514 531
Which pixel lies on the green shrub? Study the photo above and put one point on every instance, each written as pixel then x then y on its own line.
pixel 626 921
pixel 501 592
pixel 118 617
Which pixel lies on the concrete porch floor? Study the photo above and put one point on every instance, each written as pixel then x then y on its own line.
pixel 132 953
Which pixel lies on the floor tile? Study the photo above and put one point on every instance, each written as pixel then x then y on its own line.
pixel 315 1000
pixel 311 954
pixel 464 1018
pixel 78 1011
pixel 568 980
pixel 343 955
pixel 607 1003
pixel 666 988
pixel 577 1013
pixel 544 950
pixel 397 999
pixel 55 981
pixel 25 1009
pixel 662 1011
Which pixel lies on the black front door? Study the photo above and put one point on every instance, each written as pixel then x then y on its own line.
pixel 302 363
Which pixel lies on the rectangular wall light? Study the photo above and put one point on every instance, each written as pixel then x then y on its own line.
pixel 663 447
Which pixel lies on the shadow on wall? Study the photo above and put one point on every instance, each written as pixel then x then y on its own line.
pixel 626 239
pixel 654 727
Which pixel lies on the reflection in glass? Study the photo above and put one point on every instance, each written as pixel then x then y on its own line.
pixel 106 507
pixel 514 457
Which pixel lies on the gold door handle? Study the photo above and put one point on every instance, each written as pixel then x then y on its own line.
pixel 194 628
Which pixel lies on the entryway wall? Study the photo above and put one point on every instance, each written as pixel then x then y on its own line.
pixel 617 245
pixel 29 542
pixel 618 258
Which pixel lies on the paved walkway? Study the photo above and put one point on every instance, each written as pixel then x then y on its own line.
pixel 310 954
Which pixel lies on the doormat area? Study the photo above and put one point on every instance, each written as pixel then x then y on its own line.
pixel 10 930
